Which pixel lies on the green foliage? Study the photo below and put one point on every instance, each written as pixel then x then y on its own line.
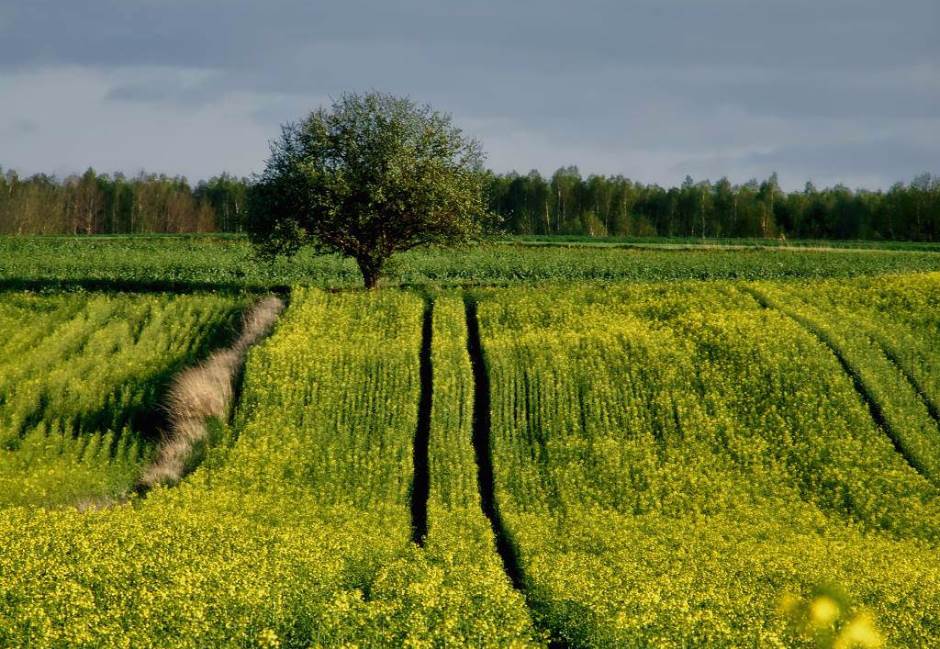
pixel 567 203
pixel 874 359
pixel 371 176
pixel 671 460
pixel 170 263
pixel 97 203
pixel 898 314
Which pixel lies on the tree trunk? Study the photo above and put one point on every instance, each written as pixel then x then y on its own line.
pixel 370 268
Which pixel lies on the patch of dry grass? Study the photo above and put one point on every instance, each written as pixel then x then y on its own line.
pixel 204 392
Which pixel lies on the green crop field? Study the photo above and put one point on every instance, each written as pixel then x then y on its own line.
pixel 509 445
pixel 216 262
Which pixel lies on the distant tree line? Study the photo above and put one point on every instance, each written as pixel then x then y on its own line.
pixel 94 203
pixel 565 203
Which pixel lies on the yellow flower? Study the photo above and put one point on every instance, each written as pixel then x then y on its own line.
pixel 860 633
pixel 823 611
pixel 268 638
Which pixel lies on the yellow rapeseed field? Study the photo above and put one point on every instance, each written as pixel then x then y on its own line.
pixel 668 464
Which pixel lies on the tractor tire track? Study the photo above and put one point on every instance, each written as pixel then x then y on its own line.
pixel 421 482
pixel 482 446
pixel 875 410
pixel 915 383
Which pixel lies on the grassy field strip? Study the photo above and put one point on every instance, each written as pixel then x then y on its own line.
pixel 79 391
pixel 299 429
pixel 741 242
pixel 460 537
pixel 893 402
pixel 298 533
pixel 668 468
pixel 586 242
pixel 911 353
pixel 192 263
pixel 346 439
pixel 662 461
pixel 925 393
pixel 506 546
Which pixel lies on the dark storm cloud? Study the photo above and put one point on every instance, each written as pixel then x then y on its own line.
pixel 636 87
pixel 221 33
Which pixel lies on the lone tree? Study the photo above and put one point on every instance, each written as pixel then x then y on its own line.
pixel 371 176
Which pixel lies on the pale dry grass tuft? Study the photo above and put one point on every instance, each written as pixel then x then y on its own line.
pixel 203 392
pixel 98 502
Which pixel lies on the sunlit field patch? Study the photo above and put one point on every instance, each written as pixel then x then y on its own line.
pixel 688 463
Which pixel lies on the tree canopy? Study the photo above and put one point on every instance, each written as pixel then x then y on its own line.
pixel 371 176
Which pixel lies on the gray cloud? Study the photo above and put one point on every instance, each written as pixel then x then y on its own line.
pixel 26 126
pixel 652 89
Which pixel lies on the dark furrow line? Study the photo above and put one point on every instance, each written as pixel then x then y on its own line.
pixel 875 410
pixel 482 450
pixel 482 447
pixel 421 482
pixel 917 386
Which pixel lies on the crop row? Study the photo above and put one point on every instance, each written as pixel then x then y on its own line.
pixel 885 372
pixel 296 529
pixel 900 314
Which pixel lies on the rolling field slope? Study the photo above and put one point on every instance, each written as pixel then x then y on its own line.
pixel 643 464
pixel 669 460
pixel 298 530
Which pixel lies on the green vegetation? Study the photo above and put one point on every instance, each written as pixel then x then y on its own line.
pixel 165 263
pixel 897 314
pixel 80 380
pixel 371 176
pixel 670 459
pixel 621 463
pixel 570 204
pixel 297 531
pixel 858 338
pixel 721 242
pixel 564 204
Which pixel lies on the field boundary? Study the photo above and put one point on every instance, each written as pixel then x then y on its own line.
pixel 875 410
pixel 138 286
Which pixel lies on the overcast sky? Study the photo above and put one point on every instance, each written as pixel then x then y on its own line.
pixel 828 90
